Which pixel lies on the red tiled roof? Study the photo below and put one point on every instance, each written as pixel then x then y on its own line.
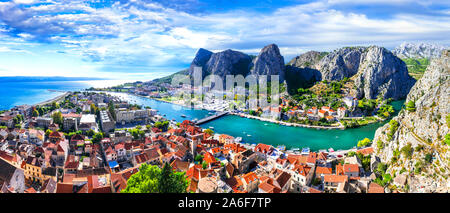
pixel 323 170
pixel 351 168
pixel 375 188
pixel 335 178
pixel 250 177
pixel 263 148
pixel 64 188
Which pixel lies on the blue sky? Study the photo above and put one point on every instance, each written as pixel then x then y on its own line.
pixel 144 39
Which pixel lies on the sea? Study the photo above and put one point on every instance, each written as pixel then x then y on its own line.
pixel 19 91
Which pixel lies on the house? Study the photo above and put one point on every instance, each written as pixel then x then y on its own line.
pixel 301 176
pixel 341 112
pixel 110 154
pixel 332 182
pixel 351 170
pixel 33 170
pixel 49 186
pixel 56 136
pixel 263 150
pixel 121 151
pixel 282 180
pixel 226 139
pixel 11 178
pixel 99 184
pixel 330 118
pixel 322 113
pixel 119 180
pixel 250 181
pixel 44 122
pixel 236 184
pixel 267 186
pixel 322 171
pixel 375 188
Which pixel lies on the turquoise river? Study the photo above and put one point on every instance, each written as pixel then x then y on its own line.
pixel 255 131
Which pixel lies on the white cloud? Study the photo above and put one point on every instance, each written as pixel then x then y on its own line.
pixel 149 34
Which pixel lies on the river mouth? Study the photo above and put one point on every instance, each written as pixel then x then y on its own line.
pixel 254 131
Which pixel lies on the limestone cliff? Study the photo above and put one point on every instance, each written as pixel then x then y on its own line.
pixel 413 144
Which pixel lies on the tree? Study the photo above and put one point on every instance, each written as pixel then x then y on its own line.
pixel 48 132
pixel 198 158
pixel 447 139
pixel 97 137
pixel 407 150
pixel 55 105
pixel 162 125
pixel 364 142
pixel 90 133
pixel 137 133
pixel 94 109
pixel 204 165
pixel 57 118
pixel 112 110
pixel 209 131
pixel 152 179
pixel 35 113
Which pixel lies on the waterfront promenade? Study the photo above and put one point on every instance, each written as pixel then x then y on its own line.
pixel 58 98
pixel 286 123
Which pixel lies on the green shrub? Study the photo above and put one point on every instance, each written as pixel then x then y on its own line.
pixel 411 106
pixel 407 150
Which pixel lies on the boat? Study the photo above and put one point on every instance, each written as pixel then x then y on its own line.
pixel 249 135
pixel 183 116
pixel 306 150
pixel 211 127
pixel 281 148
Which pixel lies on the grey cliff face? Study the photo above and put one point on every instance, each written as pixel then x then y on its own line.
pixel 228 62
pixel 340 63
pixel 200 60
pixel 374 70
pixel 306 60
pixel 382 73
pixel 426 127
pixel 269 62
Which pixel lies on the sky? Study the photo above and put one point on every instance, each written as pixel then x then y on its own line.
pixel 146 39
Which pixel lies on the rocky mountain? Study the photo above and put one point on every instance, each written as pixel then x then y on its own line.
pixel 374 70
pixel 413 144
pixel 307 60
pixel 340 63
pixel 228 62
pixel 269 62
pixel 418 50
pixel 382 73
pixel 201 58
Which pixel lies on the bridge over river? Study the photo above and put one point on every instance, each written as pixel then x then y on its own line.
pixel 210 118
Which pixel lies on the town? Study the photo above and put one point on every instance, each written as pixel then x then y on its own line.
pixel 326 105
pixel 92 142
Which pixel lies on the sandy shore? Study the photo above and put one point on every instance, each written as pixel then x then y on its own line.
pixel 58 98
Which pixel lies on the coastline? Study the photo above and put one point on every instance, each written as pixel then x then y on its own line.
pixel 57 98
pixel 286 123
